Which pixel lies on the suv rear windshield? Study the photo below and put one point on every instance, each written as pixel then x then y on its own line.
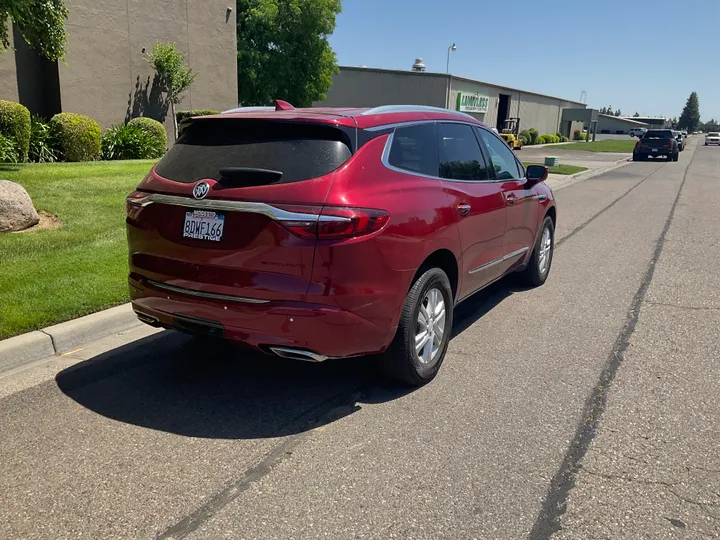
pixel 658 134
pixel 298 151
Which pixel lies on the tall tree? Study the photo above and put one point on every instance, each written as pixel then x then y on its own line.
pixel 283 50
pixel 610 111
pixel 41 22
pixel 173 75
pixel 636 115
pixel 690 117
pixel 618 113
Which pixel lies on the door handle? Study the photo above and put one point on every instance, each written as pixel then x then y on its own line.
pixel 511 198
pixel 463 209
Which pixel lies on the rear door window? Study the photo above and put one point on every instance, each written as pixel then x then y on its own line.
pixel 460 154
pixel 253 152
pixel 414 149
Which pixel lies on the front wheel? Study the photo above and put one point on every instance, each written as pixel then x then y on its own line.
pixel 423 333
pixel 538 267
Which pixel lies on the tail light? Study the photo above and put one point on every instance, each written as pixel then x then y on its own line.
pixel 134 203
pixel 335 223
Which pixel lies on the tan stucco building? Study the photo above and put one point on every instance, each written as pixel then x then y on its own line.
pixel 105 75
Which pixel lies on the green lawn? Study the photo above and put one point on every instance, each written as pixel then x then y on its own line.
pixel 610 145
pixel 561 169
pixel 50 276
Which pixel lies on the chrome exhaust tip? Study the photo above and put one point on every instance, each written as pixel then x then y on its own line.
pixel 298 354
pixel 148 319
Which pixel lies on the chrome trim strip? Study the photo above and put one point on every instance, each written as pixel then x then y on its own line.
pixel 201 294
pixel 487 265
pixel 247 109
pixel 498 261
pixel 540 197
pixel 400 124
pixel 389 109
pixel 233 206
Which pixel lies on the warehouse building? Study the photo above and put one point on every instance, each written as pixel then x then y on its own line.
pixel 104 74
pixel 489 103
pixel 616 125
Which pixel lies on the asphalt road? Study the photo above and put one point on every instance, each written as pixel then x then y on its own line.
pixel 586 408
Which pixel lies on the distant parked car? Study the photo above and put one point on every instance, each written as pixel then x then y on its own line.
pixel 680 138
pixel 637 132
pixel 712 138
pixel 656 143
pixel 323 233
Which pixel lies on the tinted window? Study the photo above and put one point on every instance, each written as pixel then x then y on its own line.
pixel 298 151
pixel 414 149
pixel 658 134
pixel 460 155
pixel 501 157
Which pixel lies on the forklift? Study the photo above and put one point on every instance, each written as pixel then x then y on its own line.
pixel 510 131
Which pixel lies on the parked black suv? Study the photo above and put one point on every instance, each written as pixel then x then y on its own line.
pixel 656 143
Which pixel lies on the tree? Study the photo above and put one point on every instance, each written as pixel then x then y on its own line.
pixel 603 110
pixel 690 117
pixel 283 50
pixel 636 115
pixel 610 111
pixel 173 76
pixel 42 23
pixel 618 113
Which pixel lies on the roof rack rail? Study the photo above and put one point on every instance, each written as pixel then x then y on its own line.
pixel 387 109
pixel 248 109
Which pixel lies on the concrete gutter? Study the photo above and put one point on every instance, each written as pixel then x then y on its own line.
pixel 65 337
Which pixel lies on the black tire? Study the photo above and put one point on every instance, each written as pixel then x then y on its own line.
pixel 401 361
pixel 676 156
pixel 532 275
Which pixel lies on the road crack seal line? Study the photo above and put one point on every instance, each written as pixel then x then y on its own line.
pixel 340 405
pixel 555 503
pixel 692 308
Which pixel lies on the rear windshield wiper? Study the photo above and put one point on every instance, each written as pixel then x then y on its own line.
pixel 244 176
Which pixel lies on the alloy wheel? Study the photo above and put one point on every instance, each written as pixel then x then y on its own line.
pixel 430 327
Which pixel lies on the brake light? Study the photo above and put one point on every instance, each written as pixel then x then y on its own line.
pixel 334 223
pixel 134 203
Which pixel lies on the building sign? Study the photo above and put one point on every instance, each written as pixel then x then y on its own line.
pixel 472 102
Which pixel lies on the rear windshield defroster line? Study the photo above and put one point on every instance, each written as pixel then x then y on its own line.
pixel 298 151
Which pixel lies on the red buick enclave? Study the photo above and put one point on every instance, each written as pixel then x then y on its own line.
pixel 330 233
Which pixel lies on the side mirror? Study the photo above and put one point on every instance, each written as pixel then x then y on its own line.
pixel 536 174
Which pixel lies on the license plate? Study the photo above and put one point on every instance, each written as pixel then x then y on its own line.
pixel 654 149
pixel 204 225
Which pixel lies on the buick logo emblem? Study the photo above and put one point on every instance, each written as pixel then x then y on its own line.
pixel 201 190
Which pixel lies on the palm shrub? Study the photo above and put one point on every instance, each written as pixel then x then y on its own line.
pixel 43 142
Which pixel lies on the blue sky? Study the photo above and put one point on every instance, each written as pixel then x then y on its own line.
pixel 641 55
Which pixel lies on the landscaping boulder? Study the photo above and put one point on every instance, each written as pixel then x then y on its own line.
pixel 16 208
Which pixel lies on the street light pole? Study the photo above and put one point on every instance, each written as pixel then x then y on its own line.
pixel 450 48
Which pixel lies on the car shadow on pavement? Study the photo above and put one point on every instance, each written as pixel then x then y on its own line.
pixel 204 388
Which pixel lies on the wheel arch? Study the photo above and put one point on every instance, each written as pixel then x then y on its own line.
pixel 447 262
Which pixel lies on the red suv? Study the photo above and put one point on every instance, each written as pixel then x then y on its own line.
pixel 329 233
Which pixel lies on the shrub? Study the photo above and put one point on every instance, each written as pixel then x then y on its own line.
pixel 182 115
pixel 576 135
pixel 78 136
pixel 525 137
pixel 8 153
pixel 542 139
pixel 533 136
pixel 129 141
pixel 564 139
pixel 15 125
pixel 43 142
pixel 156 131
pixel 582 137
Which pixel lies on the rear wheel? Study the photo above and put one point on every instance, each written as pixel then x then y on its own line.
pixel 676 156
pixel 423 334
pixel 638 157
pixel 538 267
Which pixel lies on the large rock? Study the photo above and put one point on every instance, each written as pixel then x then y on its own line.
pixel 16 208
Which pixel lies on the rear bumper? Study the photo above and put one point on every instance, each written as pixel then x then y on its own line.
pixel 325 330
pixel 649 152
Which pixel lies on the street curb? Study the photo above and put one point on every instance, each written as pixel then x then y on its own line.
pixel 585 175
pixel 65 337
